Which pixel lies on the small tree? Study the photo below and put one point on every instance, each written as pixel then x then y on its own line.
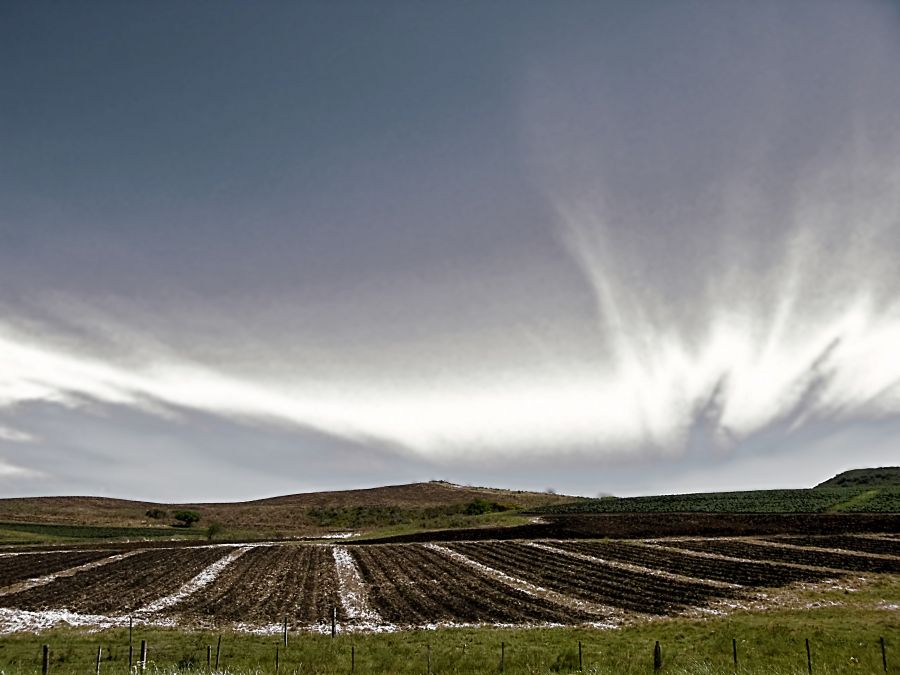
pixel 186 518
pixel 156 514
pixel 213 530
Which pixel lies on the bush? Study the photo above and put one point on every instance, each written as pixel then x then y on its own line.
pixel 156 513
pixel 479 506
pixel 186 518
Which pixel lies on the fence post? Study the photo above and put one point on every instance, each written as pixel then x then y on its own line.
pixel 143 661
pixel 208 657
pixel 428 649
pixel 130 642
pixel 45 661
pixel 883 655
pixel 657 656
pixel 580 662
pixel 285 632
pixel 502 656
pixel 734 652
pixel 352 658
pixel 276 660
pixel 99 654
pixel 333 622
pixel 808 657
pixel 218 652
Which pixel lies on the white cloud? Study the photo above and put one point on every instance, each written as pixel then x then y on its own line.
pixel 15 436
pixel 8 470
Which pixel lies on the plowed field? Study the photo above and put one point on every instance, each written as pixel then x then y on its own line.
pixel 392 586
pixel 16 568
pixel 118 587
pixel 414 584
pixel 269 584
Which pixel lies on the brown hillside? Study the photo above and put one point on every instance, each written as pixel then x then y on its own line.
pixel 289 513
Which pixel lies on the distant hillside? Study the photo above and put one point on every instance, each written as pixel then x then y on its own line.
pixel 414 506
pixel 432 493
pixel 885 476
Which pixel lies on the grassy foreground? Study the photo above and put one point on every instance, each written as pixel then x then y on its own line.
pixel 843 639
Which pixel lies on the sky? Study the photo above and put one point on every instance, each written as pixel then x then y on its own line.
pixel 250 249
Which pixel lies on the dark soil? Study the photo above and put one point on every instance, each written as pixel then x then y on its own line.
pixel 751 574
pixel 595 582
pixel 16 568
pixel 751 551
pixel 883 546
pixel 414 585
pixel 122 586
pixel 640 525
pixel 269 585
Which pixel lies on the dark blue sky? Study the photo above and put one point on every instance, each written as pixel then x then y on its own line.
pixel 612 247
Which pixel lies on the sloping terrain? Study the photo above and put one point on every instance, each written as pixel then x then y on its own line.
pixel 885 476
pixel 58 519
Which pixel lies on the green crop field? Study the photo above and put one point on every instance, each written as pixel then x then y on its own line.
pixel 36 533
pixel 816 500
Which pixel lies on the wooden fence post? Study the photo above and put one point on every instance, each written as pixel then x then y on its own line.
pixel 333 622
pixel 808 657
pixel 734 652
pixel 502 656
pixel 208 657
pixel 285 632
pixel 276 660
pixel 883 655
pixel 428 649
pixel 352 658
pixel 45 661
pixel 99 654
pixel 143 661
pixel 657 656
pixel 218 652
pixel 130 643
pixel 580 662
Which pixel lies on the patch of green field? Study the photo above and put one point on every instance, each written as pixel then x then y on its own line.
pixel 49 533
pixel 844 630
pixel 503 519
pixel 816 500
pixel 856 502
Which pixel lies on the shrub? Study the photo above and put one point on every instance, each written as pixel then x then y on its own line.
pixel 186 518
pixel 478 506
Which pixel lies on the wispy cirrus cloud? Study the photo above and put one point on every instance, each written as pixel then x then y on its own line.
pixel 15 436
pixel 806 332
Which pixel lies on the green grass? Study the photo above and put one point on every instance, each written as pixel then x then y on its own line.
pixel 772 643
pixel 502 519
pixel 857 502
pixel 47 533
pixel 817 500
pixel 843 639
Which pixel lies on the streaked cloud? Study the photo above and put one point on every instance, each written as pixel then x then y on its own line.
pixel 15 436
pixel 559 239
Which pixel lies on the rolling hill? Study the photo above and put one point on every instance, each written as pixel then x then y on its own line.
pixel 885 476
pixel 417 505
